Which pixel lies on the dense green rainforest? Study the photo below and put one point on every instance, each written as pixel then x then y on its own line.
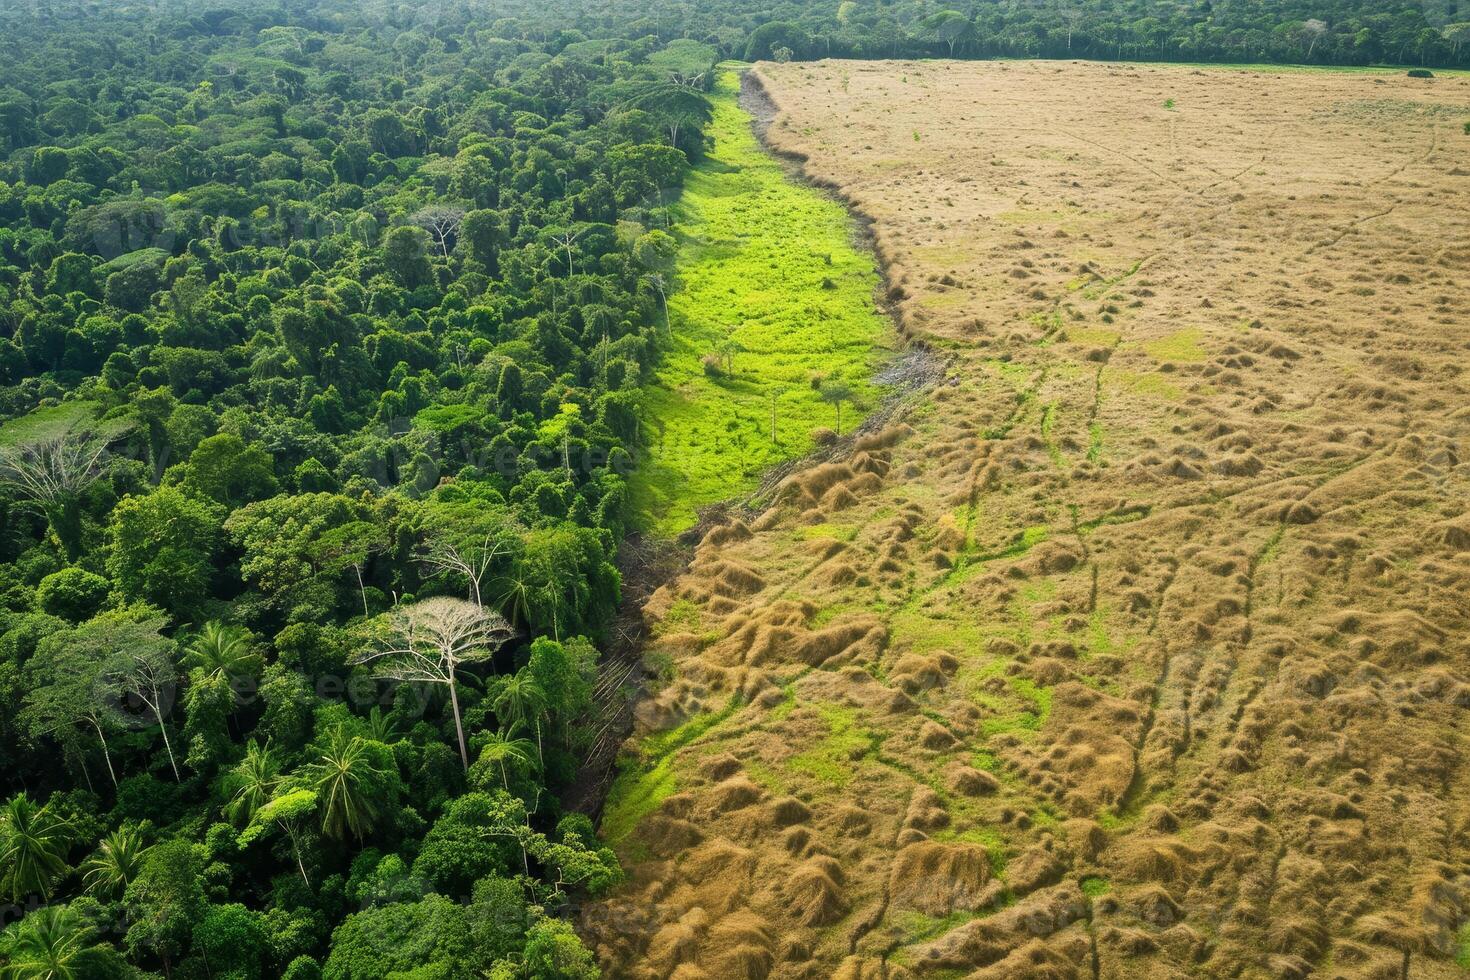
pixel 331 337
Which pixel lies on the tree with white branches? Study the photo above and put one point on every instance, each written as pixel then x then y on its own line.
pixel 660 285
pixel 49 459
pixel 141 668
pixel 1312 31
pixel 449 553
pixel 429 641
pixel 442 222
pixel 566 238
pixel 62 700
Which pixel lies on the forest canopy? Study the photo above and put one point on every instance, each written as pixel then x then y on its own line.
pixel 320 385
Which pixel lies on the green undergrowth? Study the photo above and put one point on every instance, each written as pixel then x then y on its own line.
pixel 968 564
pixel 1184 346
pixel 1029 719
pixel 837 532
pixel 918 927
pixel 770 285
pixel 683 617
pixel 1462 947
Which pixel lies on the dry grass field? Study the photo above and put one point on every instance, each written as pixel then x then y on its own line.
pixel 1141 648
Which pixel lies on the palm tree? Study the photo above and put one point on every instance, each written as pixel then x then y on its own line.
pixel 52 943
pixel 544 584
pixel 348 785
pixel 516 597
pixel 117 861
pixel 501 748
pixel 33 846
pixel 254 780
pixel 834 394
pixel 521 701
pixel 382 728
pixel 221 651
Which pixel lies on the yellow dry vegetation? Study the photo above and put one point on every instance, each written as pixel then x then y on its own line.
pixel 1141 646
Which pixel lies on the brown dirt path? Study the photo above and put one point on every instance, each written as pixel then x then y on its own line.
pixel 1141 648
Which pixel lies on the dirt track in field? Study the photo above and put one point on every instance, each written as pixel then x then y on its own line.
pixel 1140 649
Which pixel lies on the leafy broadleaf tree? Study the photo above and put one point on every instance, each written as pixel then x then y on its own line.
pixel 164 902
pixel 232 940
pixel 228 471
pixel 67 696
pixel 678 108
pixel 162 548
pixel 948 27
pixel 291 814
pixel 470 542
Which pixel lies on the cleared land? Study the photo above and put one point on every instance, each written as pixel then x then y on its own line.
pixel 771 287
pixel 1143 648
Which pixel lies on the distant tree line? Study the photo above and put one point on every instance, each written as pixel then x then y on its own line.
pixel 1316 32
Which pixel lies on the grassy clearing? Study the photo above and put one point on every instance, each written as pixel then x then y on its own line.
pixel 1275 69
pixel 1314 69
pixel 1184 346
pixel 771 285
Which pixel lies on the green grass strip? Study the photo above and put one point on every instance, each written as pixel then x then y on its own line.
pixel 769 270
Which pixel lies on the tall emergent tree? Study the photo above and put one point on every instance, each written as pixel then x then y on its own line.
pixel 140 672
pixel 428 642
pixel 50 458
